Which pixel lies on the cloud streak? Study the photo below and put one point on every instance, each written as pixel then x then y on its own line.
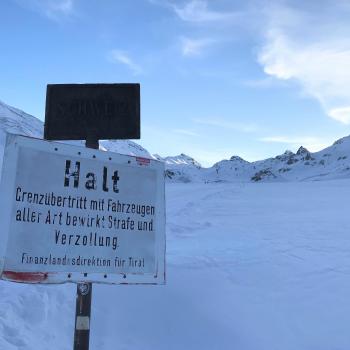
pixel 194 47
pixel 197 11
pixel 185 132
pixel 225 124
pixel 313 144
pixel 317 57
pixel 122 57
pixel 52 9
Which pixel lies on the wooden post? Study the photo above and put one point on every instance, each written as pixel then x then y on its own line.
pixel 84 296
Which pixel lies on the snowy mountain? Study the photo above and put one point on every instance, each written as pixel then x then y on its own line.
pixel 181 168
pixel 331 163
pixel 16 121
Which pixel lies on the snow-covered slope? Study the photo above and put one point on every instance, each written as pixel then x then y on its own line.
pixel 331 163
pixel 249 267
pixel 182 168
pixel 16 121
pixel 234 169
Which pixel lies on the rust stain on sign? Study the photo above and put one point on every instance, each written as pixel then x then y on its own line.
pixel 143 161
pixel 25 277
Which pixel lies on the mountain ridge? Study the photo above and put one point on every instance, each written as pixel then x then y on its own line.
pixel 330 163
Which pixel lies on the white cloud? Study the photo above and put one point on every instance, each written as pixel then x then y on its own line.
pixel 197 11
pixel 225 124
pixel 315 56
pixel 260 83
pixel 53 9
pixel 341 114
pixel 60 6
pixel 185 132
pixel 194 47
pixel 313 144
pixel 208 157
pixel 122 57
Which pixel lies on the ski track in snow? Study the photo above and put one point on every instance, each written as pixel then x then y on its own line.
pixel 249 266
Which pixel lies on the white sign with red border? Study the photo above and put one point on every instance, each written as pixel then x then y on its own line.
pixel 75 214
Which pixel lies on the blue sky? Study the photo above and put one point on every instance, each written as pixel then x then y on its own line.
pixel 218 77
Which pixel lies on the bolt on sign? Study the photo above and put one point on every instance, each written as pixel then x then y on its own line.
pixel 77 214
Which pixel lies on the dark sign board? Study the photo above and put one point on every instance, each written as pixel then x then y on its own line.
pixel 92 111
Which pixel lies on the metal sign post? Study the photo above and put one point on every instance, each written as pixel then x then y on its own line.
pixel 83 300
pixel 106 110
pixel 82 316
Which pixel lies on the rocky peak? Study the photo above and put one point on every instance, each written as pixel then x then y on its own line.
pixel 302 151
pixel 285 156
pixel 181 160
pixel 304 154
pixel 237 159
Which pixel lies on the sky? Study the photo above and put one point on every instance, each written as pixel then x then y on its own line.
pixel 218 77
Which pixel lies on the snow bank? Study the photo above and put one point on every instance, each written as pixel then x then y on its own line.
pixel 250 266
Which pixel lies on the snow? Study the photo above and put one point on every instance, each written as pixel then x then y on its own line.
pixel 15 121
pixel 250 266
pixel 331 163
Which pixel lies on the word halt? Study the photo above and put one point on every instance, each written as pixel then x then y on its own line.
pixel 91 179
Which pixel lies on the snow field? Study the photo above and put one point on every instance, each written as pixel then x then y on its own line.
pixel 250 266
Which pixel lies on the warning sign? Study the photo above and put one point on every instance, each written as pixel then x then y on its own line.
pixel 73 214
